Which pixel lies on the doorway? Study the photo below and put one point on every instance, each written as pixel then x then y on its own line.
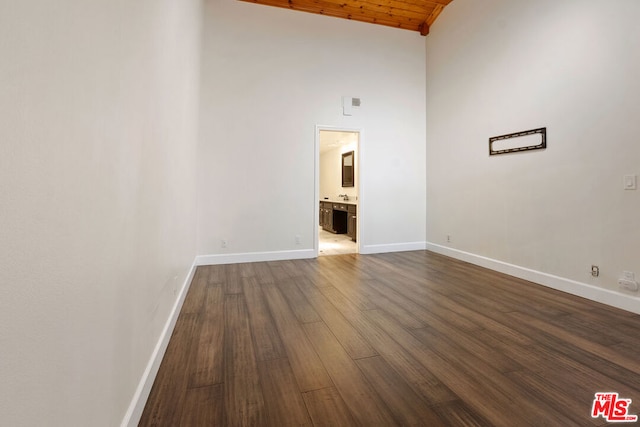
pixel 338 191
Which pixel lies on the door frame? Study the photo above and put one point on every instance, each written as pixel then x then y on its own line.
pixel 358 177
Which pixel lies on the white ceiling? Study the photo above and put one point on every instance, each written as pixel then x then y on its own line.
pixel 330 139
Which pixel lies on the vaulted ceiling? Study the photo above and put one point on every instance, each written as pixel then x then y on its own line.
pixel 413 15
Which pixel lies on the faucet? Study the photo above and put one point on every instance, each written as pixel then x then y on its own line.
pixel 344 196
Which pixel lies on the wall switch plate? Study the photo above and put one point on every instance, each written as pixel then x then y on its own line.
pixel 630 182
pixel 347 106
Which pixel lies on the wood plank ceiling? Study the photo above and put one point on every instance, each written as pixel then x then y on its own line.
pixel 413 15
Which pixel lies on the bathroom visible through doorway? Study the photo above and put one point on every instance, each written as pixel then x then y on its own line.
pixel 338 186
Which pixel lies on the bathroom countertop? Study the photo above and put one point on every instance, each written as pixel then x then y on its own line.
pixel 348 202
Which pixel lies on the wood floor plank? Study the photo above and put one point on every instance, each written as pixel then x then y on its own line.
pixel 628 349
pixel 421 379
pixel 203 406
pixel 632 364
pixel 517 290
pixel 331 274
pixel 551 353
pixel 349 265
pixel 167 396
pixel 494 357
pixel 363 402
pixel 268 344
pixel 194 300
pixel 424 304
pixel 305 363
pixel 583 329
pixel 263 273
pixel 215 274
pixel 458 413
pixel 298 303
pixel 284 403
pixel 327 409
pixel 246 269
pixel 277 271
pixel 572 402
pixel 535 400
pixel 335 341
pixel 354 294
pixel 347 335
pixel 408 408
pixel 376 292
pixel 625 332
pixel 293 269
pixel 486 322
pixel 478 384
pixel 206 367
pixel 233 283
pixel 244 403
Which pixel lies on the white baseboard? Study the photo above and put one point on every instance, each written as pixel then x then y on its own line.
pixel 594 293
pixel 392 247
pixel 216 259
pixel 136 407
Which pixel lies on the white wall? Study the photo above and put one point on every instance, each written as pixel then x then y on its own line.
pixel 502 66
pixel 270 76
pixel 331 173
pixel 98 138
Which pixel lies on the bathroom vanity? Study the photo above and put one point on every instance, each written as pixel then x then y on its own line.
pixel 339 217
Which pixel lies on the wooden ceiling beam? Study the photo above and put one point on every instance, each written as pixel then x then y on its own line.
pixel 424 29
pixel 355 7
pixel 364 7
pixel 434 14
pixel 415 5
pixel 405 14
pixel 442 3
pixel 427 5
pixel 350 12
pixel 425 26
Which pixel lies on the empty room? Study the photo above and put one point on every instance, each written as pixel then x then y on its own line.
pixel 172 169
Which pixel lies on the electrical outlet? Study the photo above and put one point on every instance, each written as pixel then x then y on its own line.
pixel 297 239
pixel 448 239
pixel 595 270
pixel 223 243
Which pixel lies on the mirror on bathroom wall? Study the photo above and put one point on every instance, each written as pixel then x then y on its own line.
pixel 348 168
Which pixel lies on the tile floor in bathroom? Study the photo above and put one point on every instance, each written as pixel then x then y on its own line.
pixel 335 244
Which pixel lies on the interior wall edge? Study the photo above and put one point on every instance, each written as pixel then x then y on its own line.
pixel 584 290
pixel 141 395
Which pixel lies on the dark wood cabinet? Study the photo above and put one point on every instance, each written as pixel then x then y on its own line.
pixel 326 216
pixel 352 222
pixel 338 218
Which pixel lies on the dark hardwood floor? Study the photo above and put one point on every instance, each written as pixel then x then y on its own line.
pixel 410 338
